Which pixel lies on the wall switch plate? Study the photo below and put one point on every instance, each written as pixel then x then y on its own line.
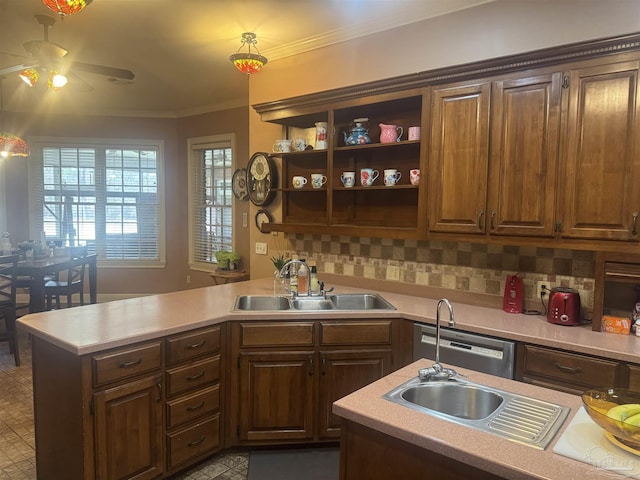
pixel 261 248
pixel 244 219
pixel 393 272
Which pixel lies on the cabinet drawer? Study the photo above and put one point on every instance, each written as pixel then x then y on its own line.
pixel 276 334
pixel 569 367
pixel 195 375
pixel 192 344
pixel 193 441
pixel 190 407
pixel 124 363
pixel 355 333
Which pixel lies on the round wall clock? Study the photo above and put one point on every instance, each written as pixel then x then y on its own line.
pixel 239 184
pixel 261 178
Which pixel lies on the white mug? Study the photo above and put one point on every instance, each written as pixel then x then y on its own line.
pixel 299 144
pixel 368 176
pixel 391 177
pixel 318 180
pixel 348 179
pixel 414 176
pixel 298 181
pixel 282 146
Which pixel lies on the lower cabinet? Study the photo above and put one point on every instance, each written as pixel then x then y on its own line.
pixel 139 412
pixel 128 432
pixel 566 371
pixel 290 373
pixel 368 454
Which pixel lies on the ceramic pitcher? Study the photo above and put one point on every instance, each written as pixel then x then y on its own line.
pixel 390 133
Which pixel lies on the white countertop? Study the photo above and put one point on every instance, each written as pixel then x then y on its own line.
pixel 92 328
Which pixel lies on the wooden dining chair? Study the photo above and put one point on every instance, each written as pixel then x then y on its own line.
pixel 73 283
pixel 8 303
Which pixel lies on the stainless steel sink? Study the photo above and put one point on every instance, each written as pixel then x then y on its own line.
pixel 256 302
pixel 339 301
pixel 518 418
pixel 312 303
pixel 462 401
pixel 360 301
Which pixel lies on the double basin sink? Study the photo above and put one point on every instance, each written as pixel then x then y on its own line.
pixel 525 420
pixel 341 301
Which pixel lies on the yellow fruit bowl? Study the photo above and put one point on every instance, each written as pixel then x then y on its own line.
pixel 614 410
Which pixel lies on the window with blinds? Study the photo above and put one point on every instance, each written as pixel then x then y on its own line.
pixel 210 199
pixel 107 197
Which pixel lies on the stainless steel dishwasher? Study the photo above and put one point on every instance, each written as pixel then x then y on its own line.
pixel 485 354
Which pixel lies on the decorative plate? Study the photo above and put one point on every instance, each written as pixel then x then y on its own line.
pixel 239 184
pixel 263 216
pixel 261 178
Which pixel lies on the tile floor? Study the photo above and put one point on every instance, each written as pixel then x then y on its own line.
pixel 17 442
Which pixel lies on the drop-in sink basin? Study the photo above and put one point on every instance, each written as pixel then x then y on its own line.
pixel 338 301
pixel 515 417
pixel 462 401
pixel 261 302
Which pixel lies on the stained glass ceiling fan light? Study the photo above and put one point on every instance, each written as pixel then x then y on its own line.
pixel 66 7
pixel 248 62
pixel 10 145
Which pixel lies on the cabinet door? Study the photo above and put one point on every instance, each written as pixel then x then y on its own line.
pixel 602 198
pixel 344 372
pixel 524 153
pixel 276 396
pixel 128 426
pixel 458 159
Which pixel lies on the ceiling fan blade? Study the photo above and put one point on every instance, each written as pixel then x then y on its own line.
pixel 78 83
pixel 113 72
pixel 16 68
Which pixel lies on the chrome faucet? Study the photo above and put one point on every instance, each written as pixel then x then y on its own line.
pixel 287 266
pixel 437 371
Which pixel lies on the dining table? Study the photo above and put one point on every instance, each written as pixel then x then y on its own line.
pixel 39 268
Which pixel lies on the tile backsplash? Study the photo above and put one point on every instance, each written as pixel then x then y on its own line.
pixel 466 267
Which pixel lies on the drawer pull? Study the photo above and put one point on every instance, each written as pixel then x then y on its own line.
pixel 130 364
pixel 192 408
pixel 193 346
pixel 196 442
pixel 191 378
pixel 572 370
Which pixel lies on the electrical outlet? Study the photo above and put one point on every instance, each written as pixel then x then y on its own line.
pixel 542 289
pixel 393 273
pixel 261 248
pixel 188 278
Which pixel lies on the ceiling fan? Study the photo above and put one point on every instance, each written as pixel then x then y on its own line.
pixel 48 58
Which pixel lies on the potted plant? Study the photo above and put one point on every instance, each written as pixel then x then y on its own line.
pixel 222 258
pixel 234 261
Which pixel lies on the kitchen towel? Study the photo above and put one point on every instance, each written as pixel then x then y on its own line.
pixel 585 441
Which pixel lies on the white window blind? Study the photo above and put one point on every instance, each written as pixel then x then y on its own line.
pixel 210 199
pixel 106 196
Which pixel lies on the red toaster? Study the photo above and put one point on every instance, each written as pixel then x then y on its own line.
pixel 564 307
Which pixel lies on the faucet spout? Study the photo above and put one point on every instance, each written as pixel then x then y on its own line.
pixel 437 371
pixel 452 323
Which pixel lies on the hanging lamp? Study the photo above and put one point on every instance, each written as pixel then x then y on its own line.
pixel 10 145
pixel 66 7
pixel 248 62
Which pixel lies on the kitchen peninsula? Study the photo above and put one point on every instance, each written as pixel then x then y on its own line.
pixel 140 360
